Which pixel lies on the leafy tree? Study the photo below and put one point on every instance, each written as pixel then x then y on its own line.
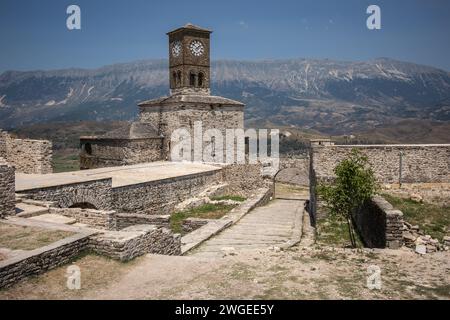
pixel 354 184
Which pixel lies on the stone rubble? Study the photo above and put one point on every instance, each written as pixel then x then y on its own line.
pixel 422 243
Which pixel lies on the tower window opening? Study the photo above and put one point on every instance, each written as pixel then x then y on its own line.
pixel 192 79
pixel 179 78
pixel 200 79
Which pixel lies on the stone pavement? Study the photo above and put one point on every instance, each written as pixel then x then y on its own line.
pixel 277 224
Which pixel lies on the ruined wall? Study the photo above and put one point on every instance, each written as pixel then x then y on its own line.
pixel 96 192
pixel 161 196
pixel 125 220
pixel 42 259
pixel 135 241
pixel 26 155
pixel 109 152
pixel 98 219
pixel 7 189
pixel 420 163
pixel 379 225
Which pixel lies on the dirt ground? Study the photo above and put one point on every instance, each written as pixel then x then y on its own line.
pixel 299 273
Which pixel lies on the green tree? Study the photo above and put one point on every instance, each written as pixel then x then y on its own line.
pixel 354 184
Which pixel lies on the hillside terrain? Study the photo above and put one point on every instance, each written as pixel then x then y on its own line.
pixel 331 97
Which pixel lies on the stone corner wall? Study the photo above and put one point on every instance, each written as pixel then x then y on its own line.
pixel 7 189
pixel 26 155
pixel 379 224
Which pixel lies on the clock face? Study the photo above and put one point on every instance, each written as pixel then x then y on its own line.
pixel 196 48
pixel 176 48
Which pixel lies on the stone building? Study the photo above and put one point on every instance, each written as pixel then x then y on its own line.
pixel 190 102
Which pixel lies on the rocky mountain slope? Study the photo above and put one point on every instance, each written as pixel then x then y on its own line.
pixel 329 96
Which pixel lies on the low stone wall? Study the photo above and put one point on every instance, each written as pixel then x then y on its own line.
pixel 118 152
pixel 135 241
pixel 161 196
pixel 96 192
pixel 98 219
pixel 42 259
pixel 191 224
pixel 7 189
pixel 379 225
pixel 242 179
pixel 26 155
pixel 125 220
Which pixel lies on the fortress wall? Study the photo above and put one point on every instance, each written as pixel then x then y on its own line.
pixel 96 193
pixel 161 196
pixel 119 152
pixel 26 155
pixel 420 163
pixel 7 188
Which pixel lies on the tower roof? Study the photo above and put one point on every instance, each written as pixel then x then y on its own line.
pixel 190 26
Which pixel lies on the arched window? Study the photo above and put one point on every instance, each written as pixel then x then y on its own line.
pixel 192 79
pixel 200 79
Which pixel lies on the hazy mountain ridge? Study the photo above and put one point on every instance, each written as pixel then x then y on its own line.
pixel 330 96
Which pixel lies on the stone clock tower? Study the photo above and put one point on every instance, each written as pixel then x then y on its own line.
pixel 189 60
pixel 189 104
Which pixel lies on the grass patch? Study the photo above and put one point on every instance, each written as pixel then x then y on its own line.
pixel 97 272
pixel 432 219
pixel 28 238
pixel 229 197
pixel 334 232
pixel 206 211
pixel 66 161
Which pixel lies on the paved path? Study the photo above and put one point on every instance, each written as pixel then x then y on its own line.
pixel 277 224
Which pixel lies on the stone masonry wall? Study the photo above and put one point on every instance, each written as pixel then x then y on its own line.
pixel 379 225
pixel 96 192
pixel 420 163
pixel 120 152
pixel 98 219
pixel 125 220
pixel 27 156
pixel 161 196
pixel 180 116
pixel 42 259
pixel 242 179
pixel 7 189
pixel 136 240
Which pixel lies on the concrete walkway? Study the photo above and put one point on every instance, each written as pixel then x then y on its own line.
pixel 277 224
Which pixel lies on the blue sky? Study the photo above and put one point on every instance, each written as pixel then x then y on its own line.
pixel 33 34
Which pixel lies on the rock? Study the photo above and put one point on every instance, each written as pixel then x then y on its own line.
pixel 409 237
pixel 415 228
pixel 421 249
pixel 407 224
pixel 416 197
pixel 447 240
pixel 431 248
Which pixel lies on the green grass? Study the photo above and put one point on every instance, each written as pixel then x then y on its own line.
pixel 206 211
pixel 65 162
pixel 432 219
pixel 333 232
pixel 229 197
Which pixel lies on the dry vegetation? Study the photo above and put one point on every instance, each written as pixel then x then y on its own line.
pixel 28 238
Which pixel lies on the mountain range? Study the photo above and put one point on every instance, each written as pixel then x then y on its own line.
pixel 333 97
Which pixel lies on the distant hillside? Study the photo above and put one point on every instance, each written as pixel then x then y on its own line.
pixel 332 97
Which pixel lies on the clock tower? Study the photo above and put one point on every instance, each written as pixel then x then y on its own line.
pixel 189 60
